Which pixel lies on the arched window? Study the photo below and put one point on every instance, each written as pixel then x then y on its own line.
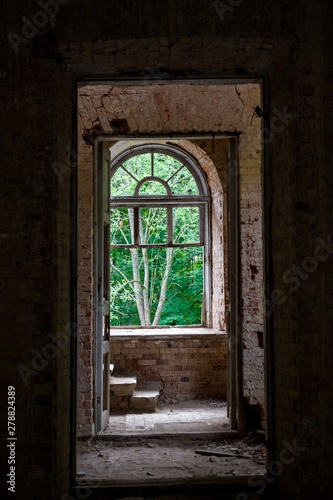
pixel 159 238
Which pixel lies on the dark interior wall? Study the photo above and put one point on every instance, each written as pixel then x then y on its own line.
pixel 287 43
pixel 35 270
pixel 300 226
pixel 326 398
pixel 64 334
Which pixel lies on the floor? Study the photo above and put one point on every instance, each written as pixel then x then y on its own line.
pixel 190 417
pixel 136 460
pixel 182 441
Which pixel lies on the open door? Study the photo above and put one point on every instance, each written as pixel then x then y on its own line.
pixel 103 287
pixel 235 376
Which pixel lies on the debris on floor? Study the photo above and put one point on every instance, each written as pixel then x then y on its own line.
pixel 168 458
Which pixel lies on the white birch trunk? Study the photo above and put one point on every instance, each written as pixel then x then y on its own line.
pixel 161 302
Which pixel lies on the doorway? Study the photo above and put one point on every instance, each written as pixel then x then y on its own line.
pixel 160 360
pixel 225 143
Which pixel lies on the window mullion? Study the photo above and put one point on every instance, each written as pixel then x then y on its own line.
pixel 136 226
pixel 202 211
pixel 170 224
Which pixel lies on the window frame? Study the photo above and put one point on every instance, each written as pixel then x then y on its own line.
pixel 170 201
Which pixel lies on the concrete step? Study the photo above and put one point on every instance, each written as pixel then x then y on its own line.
pixel 122 386
pixel 119 403
pixel 144 400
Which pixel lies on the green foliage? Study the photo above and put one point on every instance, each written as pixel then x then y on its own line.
pixel 123 309
pixel 184 296
pixel 184 293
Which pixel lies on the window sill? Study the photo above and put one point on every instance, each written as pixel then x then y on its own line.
pixel 167 332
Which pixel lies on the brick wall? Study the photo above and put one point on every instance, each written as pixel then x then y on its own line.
pixel 85 299
pixel 181 367
pixel 251 255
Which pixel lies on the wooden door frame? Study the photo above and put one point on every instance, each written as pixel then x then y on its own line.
pixel 101 286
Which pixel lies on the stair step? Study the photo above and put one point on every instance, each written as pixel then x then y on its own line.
pixel 144 400
pixel 119 403
pixel 122 386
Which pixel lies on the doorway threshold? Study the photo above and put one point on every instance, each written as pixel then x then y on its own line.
pixel 231 488
pixel 225 434
pixel 141 462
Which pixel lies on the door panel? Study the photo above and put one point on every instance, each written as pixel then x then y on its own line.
pixel 235 400
pixel 103 288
